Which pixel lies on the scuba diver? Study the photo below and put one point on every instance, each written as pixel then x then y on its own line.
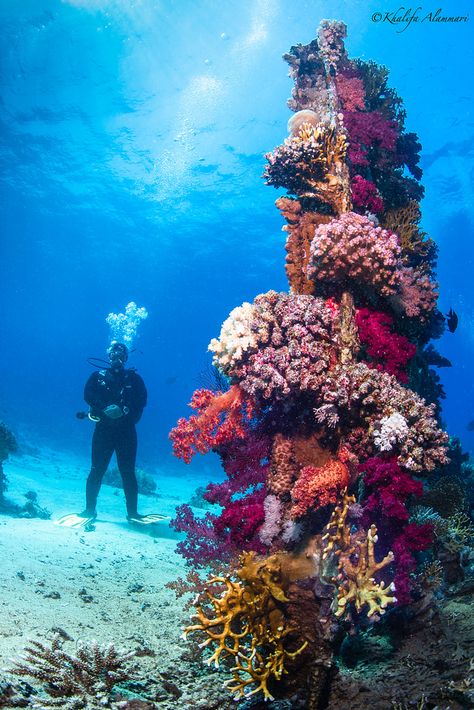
pixel 116 397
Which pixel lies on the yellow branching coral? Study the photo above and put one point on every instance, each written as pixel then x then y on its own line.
pixel 259 668
pixel 356 565
pixel 222 628
pixel 338 534
pixel 246 622
pixel 356 578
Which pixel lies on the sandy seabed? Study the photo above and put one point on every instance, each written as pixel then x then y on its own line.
pixel 106 585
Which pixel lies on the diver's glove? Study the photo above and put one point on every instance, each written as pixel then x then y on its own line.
pixel 113 411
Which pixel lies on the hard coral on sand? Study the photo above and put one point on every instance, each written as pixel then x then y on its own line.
pixel 84 680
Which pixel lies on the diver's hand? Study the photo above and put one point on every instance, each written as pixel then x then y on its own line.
pixel 113 411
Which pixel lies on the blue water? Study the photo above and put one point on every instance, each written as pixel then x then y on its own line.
pixel 133 137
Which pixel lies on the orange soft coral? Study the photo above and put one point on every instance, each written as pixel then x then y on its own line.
pixel 318 486
pixel 300 228
pixel 220 418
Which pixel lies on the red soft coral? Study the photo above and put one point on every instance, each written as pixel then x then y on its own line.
pixel 387 351
pixel 389 488
pixel 220 418
pixel 365 195
pixel 369 130
pixel 245 462
pixel 240 522
pixel 414 538
pixel 201 544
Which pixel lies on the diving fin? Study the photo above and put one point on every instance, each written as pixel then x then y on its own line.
pixel 147 519
pixel 74 520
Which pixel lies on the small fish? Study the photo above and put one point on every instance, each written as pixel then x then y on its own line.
pixel 452 320
pixel 470 426
pixel 171 380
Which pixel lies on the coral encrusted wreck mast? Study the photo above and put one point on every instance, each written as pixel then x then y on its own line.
pixel 318 398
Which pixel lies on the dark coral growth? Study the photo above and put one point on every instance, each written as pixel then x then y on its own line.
pixel 30 509
pixel 323 438
pixel 8 445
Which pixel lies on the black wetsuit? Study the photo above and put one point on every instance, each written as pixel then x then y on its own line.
pixel 126 389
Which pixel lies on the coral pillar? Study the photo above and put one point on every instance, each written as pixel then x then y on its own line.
pixel 316 404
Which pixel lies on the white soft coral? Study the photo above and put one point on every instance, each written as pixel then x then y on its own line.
pixel 236 338
pixel 392 430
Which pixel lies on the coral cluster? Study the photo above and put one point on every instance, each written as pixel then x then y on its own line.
pixel 308 162
pixel 375 395
pixel 324 436
pixel 220 418
pixel 300 228
pixel 385 349
pixel 85 680
pixel 318 486
pixel 352 250
pixel 357 581
pixel 240 497
pixel 246 623
pixel 294 340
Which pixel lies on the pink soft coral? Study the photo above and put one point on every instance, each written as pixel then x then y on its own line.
pixel 350 92
pixel 417 294
pixel 367 130
pixel 365 195
pixel 351 248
